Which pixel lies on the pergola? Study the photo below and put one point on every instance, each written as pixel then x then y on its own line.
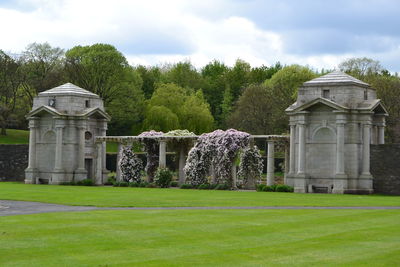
pixel 163 140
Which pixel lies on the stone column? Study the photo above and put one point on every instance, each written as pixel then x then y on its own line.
pixel 366 149
pixel 340 181
pixel 300 182
pixel 381 134
pixel 31 171
pixel 118 169
pixel 99 164
pixel 182 162
pixel 301 150
pixel 103 132
pixel 58 172
pixel 270 163
pixel 162 155
pixel 80 172
pixel 287 163
pixel 292 149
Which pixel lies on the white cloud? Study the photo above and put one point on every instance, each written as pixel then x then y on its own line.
pixel 153 32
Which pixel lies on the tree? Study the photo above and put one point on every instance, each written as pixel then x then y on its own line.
pixel 214 75
pixel 361 67
pixel 99 68
pixel 260 74
pixel 238 78
pixel 196 115
pixel 282 88
pixel 183 74
pixel 150 77
pixel 10 81
pixel 172 107
pixel 160 118
pixel 226 107
pixel 42 68
pixel 253 111
pixel 127 107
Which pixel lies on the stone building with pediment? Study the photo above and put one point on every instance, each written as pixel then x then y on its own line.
pixel 63 124
pixel 332 124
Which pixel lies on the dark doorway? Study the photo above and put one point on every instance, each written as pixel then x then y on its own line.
pixel 89 168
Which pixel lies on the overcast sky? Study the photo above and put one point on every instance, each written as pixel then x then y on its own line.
pixel 318 33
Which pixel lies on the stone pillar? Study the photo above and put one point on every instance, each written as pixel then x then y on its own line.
pixel 300 182
pixel 80 172
pixel 270 163
pixel 292 149
pixel 340 181
pixel 99 164
pixel 301 150
pixel 287 163
pixel 58 172
pixel 118 169
pixel 366 149
pixel 182 162
pixel 103 132
pixel 31 171
pixel 162 155
pixel 381 134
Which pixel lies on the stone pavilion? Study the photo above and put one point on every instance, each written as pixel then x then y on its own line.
pixel 332 124
pixel 63 124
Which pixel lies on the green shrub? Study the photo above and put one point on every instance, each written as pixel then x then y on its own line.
pixel 151 185
pixel 204 186
pixel 133 184
pixel 284 188
pixel 85 182
pixel 173 184
pixel 260 187
pixel 68 183
pixel 143 184
pixel 110 181
pixel 269 188
pixel 163 177
pixel 186 186
pixel 123 184
pixel 221 187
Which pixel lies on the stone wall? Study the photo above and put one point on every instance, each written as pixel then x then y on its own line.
pixel 13 162
pixel 385 167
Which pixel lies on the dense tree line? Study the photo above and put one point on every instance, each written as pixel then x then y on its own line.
pixel 171 96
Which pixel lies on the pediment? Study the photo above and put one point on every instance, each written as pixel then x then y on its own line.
pixel 97 113
pixel 320 104
pixel 43 110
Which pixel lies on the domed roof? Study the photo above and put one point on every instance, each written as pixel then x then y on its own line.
pixel 336 77
pixel 68 89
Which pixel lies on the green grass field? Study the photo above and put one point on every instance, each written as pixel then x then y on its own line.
pixel 197 237
pixel 15 137
pixel 158 197
pixel 202 238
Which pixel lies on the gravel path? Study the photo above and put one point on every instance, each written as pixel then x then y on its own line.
pixel 12 207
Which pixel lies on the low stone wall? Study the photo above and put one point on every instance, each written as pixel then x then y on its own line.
pixel 385 167
pixel 13 162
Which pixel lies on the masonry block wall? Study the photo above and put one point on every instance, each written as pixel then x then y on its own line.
pixel 13 162
pixel 385 167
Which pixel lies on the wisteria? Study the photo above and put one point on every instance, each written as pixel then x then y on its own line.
pixel 130 165
pixel 151 147
pixel 251 164
pixel 218 148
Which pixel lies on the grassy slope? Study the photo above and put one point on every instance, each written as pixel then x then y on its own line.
pixel 151 197
pixel 15 137
pixel 202 238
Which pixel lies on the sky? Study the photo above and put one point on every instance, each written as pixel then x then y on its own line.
pixel 317 33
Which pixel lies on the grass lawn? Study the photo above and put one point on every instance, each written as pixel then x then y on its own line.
pixel 15 137
pixel 202 238
pixel 157 197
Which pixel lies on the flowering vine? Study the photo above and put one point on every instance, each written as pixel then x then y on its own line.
pixel 251 164
pixel 151 147
pixel 130 165
pixel 218 148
